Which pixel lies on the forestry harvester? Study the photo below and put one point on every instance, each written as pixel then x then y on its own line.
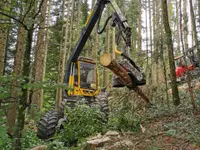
pixel 192 65
pixel 81 75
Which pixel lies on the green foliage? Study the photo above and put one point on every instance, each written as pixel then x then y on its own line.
pixel 5 88
pixel 83 121
pixel 123 119
pixel 5 141
pixel 197 97
pixel 56 145
pixel 29 139
pixel 171 132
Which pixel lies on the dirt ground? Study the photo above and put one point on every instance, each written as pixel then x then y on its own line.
pixel 176 131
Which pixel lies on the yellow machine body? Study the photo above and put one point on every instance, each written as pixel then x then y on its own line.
pixel 83 80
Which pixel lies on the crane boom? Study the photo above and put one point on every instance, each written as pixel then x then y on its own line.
pixel 117 19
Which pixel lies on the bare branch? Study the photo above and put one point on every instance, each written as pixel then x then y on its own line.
pixel 19 21
pixel 39 10
pixel 27 11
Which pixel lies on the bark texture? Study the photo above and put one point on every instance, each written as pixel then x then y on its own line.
pixel 63 59
pixel 169 43
pixel 37 96
pixel 3 37
pixel 12 111
pixel 194 28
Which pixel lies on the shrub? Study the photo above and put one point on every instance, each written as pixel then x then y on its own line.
pixel 124 119
pixel 5 141
pixel 83 121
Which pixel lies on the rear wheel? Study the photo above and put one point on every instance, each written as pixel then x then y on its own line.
pixel 47 125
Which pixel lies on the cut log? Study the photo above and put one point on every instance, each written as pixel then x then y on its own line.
pixel 41 147
pixel 107 61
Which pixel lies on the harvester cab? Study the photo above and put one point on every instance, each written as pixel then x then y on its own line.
pixel 83 79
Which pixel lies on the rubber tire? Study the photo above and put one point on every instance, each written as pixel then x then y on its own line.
pixel 61 110
pixel 47 125
pixel 101 101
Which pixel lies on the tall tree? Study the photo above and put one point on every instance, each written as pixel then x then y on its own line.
pixel 184 40
pixel 71 32
pixel 37 96
pixel 194 28
pixel 147 39
pixel 178 27
pixel 105 71
pixel 3 34
pixel 27 14
pixel 140 29
pixel 62 55
pixel 46 47
pixel 154 56
pixel 169 43
pixel 150 40
pixel 11 114
pixel 199 10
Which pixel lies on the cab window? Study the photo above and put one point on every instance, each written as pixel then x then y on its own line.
pixel 87 75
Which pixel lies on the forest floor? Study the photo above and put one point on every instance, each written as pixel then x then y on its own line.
pixel 159 127
pixel 170 131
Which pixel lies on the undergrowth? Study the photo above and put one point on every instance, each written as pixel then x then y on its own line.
pixel 127 114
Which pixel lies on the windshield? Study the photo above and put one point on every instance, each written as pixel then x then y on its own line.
pixel 87 75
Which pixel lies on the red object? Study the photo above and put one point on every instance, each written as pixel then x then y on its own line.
pixel 180 71
pixel 191 67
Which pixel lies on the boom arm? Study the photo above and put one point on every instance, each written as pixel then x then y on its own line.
pixel 117 19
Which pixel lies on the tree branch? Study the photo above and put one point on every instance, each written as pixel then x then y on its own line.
pixel 19 21
pixel 40 7
pixel 27 11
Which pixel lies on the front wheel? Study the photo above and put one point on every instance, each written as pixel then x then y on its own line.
pixel 101 101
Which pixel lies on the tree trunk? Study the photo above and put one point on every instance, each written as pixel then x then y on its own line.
pixel 105 72
pixel 96 35
pixel 140 29
pixel 151 44
pixel 78 20
pixel 3 37
pixel 113 44
pixel 23 99
pixel 97 43
pixel 199 10
pixel 46 48
pixel 185 48
pixel 71 31
pixel 194 27
pixel 178 29
pixel 162 53
pixel 39 59
pixel 62 59
pixel 157 38
pixel 154 60
pixel 11 115
pixel 169 43
pixel 147 39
